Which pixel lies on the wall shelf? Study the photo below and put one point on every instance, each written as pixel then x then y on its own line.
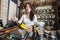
pixel 48 17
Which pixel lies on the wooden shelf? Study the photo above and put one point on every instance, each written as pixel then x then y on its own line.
pixel 39 3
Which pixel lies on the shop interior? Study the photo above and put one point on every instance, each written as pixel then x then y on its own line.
pixel 47 12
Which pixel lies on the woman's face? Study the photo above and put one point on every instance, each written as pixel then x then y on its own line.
pixel 28 9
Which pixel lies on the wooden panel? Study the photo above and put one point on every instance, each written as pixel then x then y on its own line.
pixel 0 9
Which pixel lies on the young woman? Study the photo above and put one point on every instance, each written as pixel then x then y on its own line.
pixel 28 18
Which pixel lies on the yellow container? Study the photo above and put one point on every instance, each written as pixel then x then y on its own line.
pixel 23 26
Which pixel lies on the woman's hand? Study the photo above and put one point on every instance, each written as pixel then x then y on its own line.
pixel 14 19
pixel 29 29
pixel 1 28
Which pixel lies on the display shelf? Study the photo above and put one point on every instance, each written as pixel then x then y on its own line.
pixel 47 16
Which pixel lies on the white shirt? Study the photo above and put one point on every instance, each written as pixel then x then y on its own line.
pixel 27 21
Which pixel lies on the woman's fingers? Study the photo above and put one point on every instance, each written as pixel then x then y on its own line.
pixel 1 28
pixel 29 30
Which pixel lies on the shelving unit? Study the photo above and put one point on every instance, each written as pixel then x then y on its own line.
pixel 47 16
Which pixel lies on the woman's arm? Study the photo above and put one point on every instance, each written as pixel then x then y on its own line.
pixel 21 19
